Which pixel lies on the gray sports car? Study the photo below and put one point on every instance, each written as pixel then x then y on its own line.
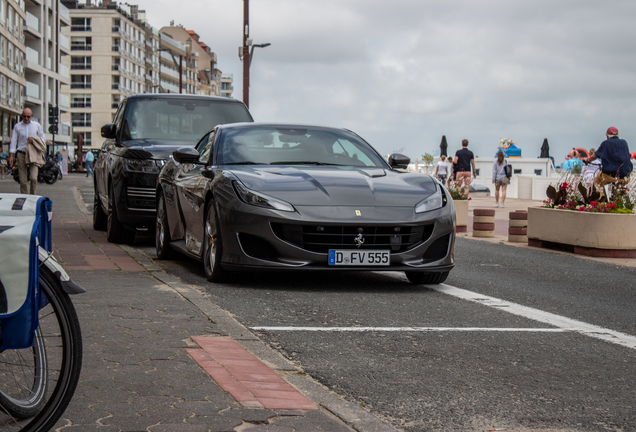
pixel 256 196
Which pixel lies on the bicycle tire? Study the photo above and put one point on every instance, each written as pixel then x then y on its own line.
pixel 61 335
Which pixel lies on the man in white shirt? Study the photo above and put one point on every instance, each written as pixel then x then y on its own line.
pixel 22 133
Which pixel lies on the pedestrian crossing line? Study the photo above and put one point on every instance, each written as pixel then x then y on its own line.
pixel 558 321
pixel 410 329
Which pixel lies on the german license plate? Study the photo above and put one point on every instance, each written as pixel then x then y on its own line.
pixel 359 257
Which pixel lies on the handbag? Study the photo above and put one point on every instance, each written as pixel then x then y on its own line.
pixel 508 170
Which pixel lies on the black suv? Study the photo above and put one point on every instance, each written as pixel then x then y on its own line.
pixel 144 132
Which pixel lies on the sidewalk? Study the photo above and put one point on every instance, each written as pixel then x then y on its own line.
pixel 160 357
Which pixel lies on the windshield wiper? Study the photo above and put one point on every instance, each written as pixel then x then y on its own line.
pixel 244 163
pixel 301 163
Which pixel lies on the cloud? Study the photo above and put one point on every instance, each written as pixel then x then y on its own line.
pixel 404 73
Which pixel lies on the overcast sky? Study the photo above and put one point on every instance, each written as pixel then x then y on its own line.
pixel 402 73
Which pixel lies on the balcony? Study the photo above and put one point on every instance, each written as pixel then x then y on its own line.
pixel 62 100
pixel 63 70
pixel 116 86
pixel 115 68
pixel 80 85
pixel 81 104
pixel 32 56
pixel 32 90
pixel 81 123
pixel 81 66
pixel 116 48
pixel 64 14
pixel 63 42
pixel 81 28
pixel 32 25
pixel 80 46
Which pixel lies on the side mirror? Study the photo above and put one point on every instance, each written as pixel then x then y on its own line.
pixel 399 161
pixel 109 130
pixel 186 155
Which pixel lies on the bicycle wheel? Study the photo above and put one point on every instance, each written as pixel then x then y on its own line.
pixel 40 381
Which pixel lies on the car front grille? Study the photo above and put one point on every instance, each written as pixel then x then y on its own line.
pixel 140 198
pixel 322 238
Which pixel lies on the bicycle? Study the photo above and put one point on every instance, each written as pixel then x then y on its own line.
pixel 41 354
pixel 37 383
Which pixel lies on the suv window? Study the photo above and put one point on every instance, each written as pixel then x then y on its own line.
pixel 178 119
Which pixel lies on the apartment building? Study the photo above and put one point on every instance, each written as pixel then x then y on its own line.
pixel 107 62
pixel 227 85
pixel 32 53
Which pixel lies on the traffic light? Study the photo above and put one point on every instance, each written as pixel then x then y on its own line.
pixel 53 129
pixel 53 115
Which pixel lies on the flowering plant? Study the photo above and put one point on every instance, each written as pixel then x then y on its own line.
pixel 457 191
pixel 573 193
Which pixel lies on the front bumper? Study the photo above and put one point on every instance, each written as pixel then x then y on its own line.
pixel 253 239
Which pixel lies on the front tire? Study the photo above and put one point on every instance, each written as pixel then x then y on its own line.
pixel 162 231
pixel 115 231
pixel 421 278
pixel 213 252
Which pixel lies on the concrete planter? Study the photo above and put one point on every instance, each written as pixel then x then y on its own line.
pixel 594 234
pixel 461 215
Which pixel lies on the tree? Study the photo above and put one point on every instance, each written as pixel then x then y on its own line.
pixel 427 159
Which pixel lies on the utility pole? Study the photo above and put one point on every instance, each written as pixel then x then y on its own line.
pixel 246 53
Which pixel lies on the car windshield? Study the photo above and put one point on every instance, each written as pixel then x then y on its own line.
pixel 178 119
pixel 278 145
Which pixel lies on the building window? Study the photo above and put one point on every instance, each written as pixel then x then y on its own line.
pixel 517 171
pixel 87 139
pixel 3 50
pixel 81 24
pixel 80 63
pixel 80 100
pixel 3 90
pixel 81 119
pixel 81 43
pixel 80 81
pixel 115 101
pixel 538 172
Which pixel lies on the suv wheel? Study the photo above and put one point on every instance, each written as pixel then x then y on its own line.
pixel 115 231
pixel 162 231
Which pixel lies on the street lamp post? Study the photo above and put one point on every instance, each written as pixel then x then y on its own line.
pixel 246 53
pixel 257 46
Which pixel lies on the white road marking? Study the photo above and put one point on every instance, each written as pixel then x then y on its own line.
pixel 558 321
pixel 409 329
pixel 561 323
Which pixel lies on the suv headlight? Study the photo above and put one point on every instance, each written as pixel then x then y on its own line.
pixel 147 166
pixel 260 200
pixel 432 202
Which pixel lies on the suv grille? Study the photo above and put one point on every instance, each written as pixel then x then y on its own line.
pixel 140 198
pixel 322 238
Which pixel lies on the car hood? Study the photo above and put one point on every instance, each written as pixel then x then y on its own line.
pixel 152 149
pixel 341 186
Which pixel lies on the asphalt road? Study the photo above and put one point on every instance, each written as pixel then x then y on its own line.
pixel 486 377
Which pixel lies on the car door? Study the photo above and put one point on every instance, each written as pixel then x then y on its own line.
pixel 190 187
pixel 103 161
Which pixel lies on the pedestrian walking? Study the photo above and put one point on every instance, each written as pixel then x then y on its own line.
pixel 499 178
pixel 465 160
pixel 88 160
pixel 3 161
pixel 22 136
pixel 441 170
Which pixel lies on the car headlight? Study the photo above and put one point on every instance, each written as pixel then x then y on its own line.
pixel 261 200
pixel 147 166
pixel 432 202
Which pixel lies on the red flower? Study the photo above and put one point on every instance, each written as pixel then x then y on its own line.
pixel 564 186
pixel 593 203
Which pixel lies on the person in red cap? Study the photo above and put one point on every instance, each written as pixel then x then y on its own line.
pixel 615 158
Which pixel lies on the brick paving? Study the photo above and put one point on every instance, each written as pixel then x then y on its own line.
pixel 140 336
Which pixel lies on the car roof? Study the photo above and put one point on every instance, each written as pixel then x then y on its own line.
pixel 182 96
pixel 257 125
